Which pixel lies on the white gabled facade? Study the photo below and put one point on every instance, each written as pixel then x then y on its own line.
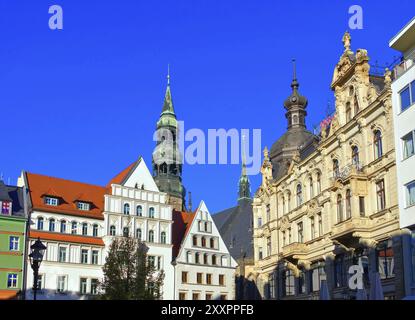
pixel 134 206
pixel 204 268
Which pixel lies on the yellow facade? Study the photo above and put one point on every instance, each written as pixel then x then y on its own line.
pixel 336 206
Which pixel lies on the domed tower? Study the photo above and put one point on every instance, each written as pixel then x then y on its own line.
pixel 167 159
pixel 296 137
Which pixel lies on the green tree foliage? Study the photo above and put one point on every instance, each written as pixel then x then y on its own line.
pixel 127 273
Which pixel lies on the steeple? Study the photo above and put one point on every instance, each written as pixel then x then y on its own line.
pixel 244 184
pixel 295 104
pixel 167 158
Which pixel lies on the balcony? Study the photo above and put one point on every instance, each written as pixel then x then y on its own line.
pixel 404 65
pixel 348 227
pixel 348 171
pixel 294 249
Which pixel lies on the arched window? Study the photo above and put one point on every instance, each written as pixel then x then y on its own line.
pixel 84 229
pixel 126 208
pixel 138 233
pixel 52 225
pixel 151 236
pixel 205 258
pixel 151 212
pixel 214 262
pixel 163 237
pixel 63 226
pixel 194 240
pixel 288 202
pixel 377 142
pixel 348 204
pixel 348 111
pixel 207 226
pixel 295 119
pixel 311 184
pixel 336 169
pixel 318 182
pixel 125 232
pixel 299 195
pixel 40 223
pixel 203 242
pixel 212 242
pixel 188 257
pixel 355 156
pixel 74 227
pixel 112 231
pixel 339 208
pixel 283 205
pixel 95 230
pixel 197 258
pixel 139 211
pixel 356 106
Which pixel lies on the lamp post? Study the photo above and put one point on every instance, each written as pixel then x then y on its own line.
pixel 36 256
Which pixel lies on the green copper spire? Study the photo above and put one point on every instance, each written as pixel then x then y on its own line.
pixel 167 116
pixel 244 184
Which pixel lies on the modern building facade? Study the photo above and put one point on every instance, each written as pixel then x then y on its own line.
pixel 67 217
pixel 329 201
pixel 204 268
pixel 403 102
pixel 13 223
pixel 134 207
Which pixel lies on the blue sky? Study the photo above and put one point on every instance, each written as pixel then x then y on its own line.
pixel 82 103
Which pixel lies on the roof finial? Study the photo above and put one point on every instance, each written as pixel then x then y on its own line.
pixel 294 83
pixel 347 40
pixel 168 74
pixel 294 70
pixel 243 156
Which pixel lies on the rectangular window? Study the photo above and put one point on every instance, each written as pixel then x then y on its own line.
pixel 271 282
pixel 362 206
pixel 221 279
pixel 184 277
pixel 223 297
pixel 301 282
pixel 84 206
pixel 289 236
pixel 300 232
pixel 182 296
pixel 94 259
pixel 317 275
pixel 385 259
pixel 268 212
pixel 6 207
pixel 405 96
pixel 195 296
pixel 61 286
pixel 83 286
pixel 152 261
pixel 208 278
pixel 14 244
pixel 408 145
pixel 320 225
pixel 288 283
pixel 259 222
pixel 84 256
pixel 51 201
pixel 199 278
pixel 208 296
pixel 62 254
pixel 284 239
pixel 312 228
pixel 12 280
pixel 413 256
pixel 380 192
pixel 339 271
pixel 94 286
pixel 269 248
pixel 410 194
pixel 260 254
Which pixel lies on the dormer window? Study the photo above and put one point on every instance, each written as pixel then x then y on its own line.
pixel 84 206
pixel 50 201
pixel 6 207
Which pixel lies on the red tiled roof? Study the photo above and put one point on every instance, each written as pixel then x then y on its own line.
pixel 119 178
pixel 63 237
pixel 182 222
pixel 8 294
pixel 68 191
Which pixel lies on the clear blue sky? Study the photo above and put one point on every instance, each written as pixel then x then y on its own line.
pixel 82 103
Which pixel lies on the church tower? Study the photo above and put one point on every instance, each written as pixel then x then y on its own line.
pixel 244 185
pixel 167 159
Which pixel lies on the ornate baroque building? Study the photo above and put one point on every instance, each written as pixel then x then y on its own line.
pixel 329 201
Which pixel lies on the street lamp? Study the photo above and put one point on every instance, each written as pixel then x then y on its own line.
pixel 36 256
